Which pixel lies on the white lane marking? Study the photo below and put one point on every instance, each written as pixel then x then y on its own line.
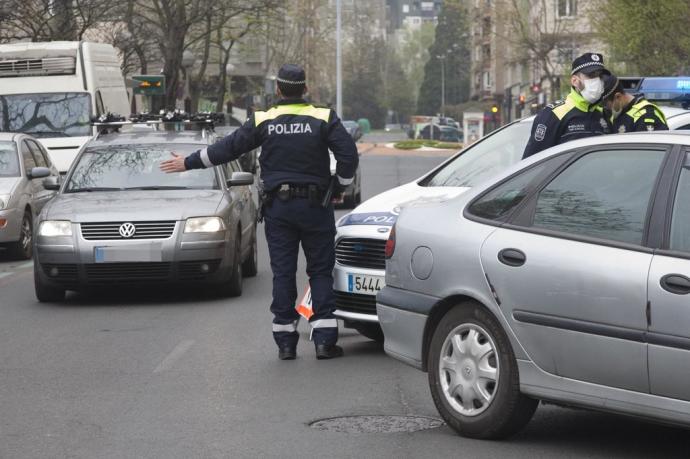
pixel 174 355
pixel 25 265
pixel 5 274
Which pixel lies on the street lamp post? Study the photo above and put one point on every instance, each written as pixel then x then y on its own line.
pixel 338 61
pixel 442 58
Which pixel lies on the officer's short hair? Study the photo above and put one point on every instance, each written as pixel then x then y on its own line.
pixel 291 89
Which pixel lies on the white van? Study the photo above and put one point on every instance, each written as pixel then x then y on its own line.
pixel 52 90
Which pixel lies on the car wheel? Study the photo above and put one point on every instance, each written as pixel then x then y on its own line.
pixel 233 285
pixel 370 330
pixel 23 248
pixel 250 267
pixel 46 293
pixel 473 375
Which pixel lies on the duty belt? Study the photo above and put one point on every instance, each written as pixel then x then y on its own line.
pixel 289 191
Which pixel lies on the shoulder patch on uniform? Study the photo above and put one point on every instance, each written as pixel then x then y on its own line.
pixel 540 132
pixel 563 108
pixel 621 129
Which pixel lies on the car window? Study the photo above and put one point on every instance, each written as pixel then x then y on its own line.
pixel 604 194
pixel 680 223
pixel 27 157
pixel 9 160
pixel 136 166
pixel 38 155
pixel 484 159
pixel 500 201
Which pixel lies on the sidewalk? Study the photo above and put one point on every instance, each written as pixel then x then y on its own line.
pixel 386 149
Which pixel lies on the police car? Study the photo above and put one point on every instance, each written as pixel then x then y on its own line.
pixel 361 237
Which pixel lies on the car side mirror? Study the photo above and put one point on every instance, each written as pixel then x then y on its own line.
pixel 38 172
pixel 51 183
pixel 241 178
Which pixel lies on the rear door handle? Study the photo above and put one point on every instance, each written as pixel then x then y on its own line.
pixel 676 284
pixel 512 257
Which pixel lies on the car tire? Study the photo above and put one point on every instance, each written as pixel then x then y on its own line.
pixel 46 293
pixel 492 406
pixel 250 267
pixel 23 248
pixel 370 330
pixel 233 285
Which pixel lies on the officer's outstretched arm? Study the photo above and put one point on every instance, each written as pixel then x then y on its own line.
pixel 544 133
pixel 230 147
pixel 344 150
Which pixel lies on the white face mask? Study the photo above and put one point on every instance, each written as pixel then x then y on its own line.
pixel 594 88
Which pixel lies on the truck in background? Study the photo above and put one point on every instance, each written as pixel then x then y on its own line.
pixel 51 90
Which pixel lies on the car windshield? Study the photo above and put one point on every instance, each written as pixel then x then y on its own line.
pixel 130 167
pixel 487 157
pixel 9 161
pixel 47 114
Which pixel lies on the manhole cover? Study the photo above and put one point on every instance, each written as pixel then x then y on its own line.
pixel 376 424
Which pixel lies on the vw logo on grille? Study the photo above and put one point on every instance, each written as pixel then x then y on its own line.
pixel 127 230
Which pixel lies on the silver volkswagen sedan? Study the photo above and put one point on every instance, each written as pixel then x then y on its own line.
pixel 119 220
pixel 566 278
pixel 23 165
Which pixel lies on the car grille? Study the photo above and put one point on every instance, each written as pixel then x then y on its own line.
pixel 360 252
pixel 64 273
pixel 129 272
pixel 355 302
pixel 99 231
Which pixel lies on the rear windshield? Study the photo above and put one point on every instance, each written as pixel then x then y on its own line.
pixel 9 160
pixel 126 167
pixel 486 158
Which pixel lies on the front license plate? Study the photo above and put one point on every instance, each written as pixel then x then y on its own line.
pixel 368 285
pixel 128 253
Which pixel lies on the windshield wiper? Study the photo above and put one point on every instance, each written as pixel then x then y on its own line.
pixel 93 188
pixel 158 187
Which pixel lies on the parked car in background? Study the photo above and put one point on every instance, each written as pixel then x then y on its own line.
pixel 353 129
pixel 443 133
pixel 564 278
pixel 361 235
pixel 23 164
pixel 51 90
pixel 119 220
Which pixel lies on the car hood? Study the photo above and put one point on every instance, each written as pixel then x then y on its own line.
pixel 137 205
pixel 384 208
pixel 7 184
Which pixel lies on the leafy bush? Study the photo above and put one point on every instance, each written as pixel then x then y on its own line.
pixel 415 144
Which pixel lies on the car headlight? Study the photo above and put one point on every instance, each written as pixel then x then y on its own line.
pixel 204 225
pixel 4 200
pixel 53 228
pixel 341 220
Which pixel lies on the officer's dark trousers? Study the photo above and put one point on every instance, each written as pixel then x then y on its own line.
pixel 287 223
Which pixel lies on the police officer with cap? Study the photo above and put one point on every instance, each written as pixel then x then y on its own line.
pixel 630 113
pixel 579 115
pixel 295 137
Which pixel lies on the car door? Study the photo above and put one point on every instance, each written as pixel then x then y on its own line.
pixel 669 299
pixel 570 271
pixel 31 187
pixel 41 195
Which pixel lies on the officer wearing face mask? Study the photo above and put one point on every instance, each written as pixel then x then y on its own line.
pixel 579 115
pixel 630 113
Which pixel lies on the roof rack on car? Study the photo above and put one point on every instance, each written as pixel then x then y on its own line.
pixel 660 89
pixel 176 120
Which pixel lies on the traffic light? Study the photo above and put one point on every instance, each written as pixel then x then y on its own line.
pixel 536 87
pixel 149 85
pixel 521 101
pixel 494 109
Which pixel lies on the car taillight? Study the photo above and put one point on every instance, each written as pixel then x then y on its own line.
pixel 390 244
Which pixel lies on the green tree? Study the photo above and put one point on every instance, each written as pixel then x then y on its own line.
pixel 414 54
pixel 650 37
pixel 363 89
pixel 448 53
pixel 399 89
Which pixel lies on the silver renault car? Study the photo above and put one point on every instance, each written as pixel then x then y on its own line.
pixel 24 163
pixel 119 220
pixel 566 278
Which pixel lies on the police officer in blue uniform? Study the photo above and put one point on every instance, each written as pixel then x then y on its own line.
pixel 295 137
pixel 628 112
pixel 579 115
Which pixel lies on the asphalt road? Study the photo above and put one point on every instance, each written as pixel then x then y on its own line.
pixel 170 374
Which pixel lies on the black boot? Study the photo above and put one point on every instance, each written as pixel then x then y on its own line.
pixel 287 353
pixel 328 351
